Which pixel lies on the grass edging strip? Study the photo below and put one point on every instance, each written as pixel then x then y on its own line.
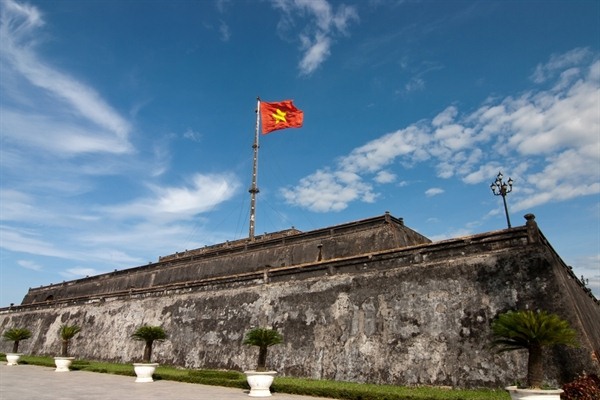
pixel 290 385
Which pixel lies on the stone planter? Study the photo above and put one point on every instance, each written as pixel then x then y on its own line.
pixel 13 358
pixel 63 363
pixel 144 372
pixel 533 394
pixel 260 382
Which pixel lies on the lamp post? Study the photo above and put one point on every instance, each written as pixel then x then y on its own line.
pixel 501 188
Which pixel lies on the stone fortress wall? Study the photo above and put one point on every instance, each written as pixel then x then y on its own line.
pixel 368 301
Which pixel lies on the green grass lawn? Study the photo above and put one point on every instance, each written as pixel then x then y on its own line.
pixel 308 387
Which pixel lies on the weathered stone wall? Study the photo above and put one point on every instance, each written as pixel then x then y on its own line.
pixel 413 315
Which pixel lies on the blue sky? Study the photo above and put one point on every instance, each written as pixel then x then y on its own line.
pixel 127 126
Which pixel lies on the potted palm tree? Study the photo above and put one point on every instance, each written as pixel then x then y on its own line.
pixel 148 335
pixel 66 333
pixel 15 335
pixel 260 380
pixel 532 331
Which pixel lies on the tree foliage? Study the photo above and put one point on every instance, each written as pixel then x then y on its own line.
pixel 148 335
pixel 531 331
pixel 15 335
pixel 66 333
pixel 263 338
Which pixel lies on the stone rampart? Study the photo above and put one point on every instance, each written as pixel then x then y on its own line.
pixel 416 315
pixel 241 257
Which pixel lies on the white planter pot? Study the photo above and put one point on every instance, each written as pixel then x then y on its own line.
pixel 260 382
pixel 63 363
pixel 533 394
pixel 144 372
pixel 13 358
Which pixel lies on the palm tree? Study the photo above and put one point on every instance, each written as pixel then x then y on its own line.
pixel 149 334
pixel 15 335
pixel 66 333
pixel 263 338
pixel 532 331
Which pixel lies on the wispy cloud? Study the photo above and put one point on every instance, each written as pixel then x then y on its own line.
pixel 325 24
pixel 65 110
pixel 110 234
pixel 224 31
pixel 203 193
pixel 415 84
pixel 79 272
pixel 554 129
pixel 418 72
pixel 28 241
pixel 559 63
pixel 222 5
pixel 30 265
pixel 192 135
pixel 50 118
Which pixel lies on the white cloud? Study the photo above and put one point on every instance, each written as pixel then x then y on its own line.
pixel 325 191
pixel 454 136
pixel 315 52
pixel 21 18
pixel 384 177
pixel 546 138
pixel 378 153
pixel 445 117
pixel 433 192
pixel 324 25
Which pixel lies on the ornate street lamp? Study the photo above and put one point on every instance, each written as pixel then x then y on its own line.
pixel 500 188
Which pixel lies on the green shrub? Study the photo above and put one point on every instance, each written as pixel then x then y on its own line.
pixel 208 374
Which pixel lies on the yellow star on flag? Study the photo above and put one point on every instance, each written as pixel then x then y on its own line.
pixel 279 116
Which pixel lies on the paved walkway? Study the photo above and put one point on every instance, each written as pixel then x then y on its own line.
pixel 30 382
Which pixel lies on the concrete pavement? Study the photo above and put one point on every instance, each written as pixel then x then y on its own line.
pixel 31 382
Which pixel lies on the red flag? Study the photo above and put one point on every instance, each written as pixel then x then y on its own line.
pixel 280 115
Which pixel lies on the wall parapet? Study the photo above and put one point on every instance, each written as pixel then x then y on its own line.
pixel 279 249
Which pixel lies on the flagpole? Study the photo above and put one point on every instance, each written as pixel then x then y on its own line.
pixel 254 189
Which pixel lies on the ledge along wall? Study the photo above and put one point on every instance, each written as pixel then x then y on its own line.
pixel 369 301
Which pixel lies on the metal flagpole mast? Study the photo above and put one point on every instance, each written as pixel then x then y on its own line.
pixel 254 189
